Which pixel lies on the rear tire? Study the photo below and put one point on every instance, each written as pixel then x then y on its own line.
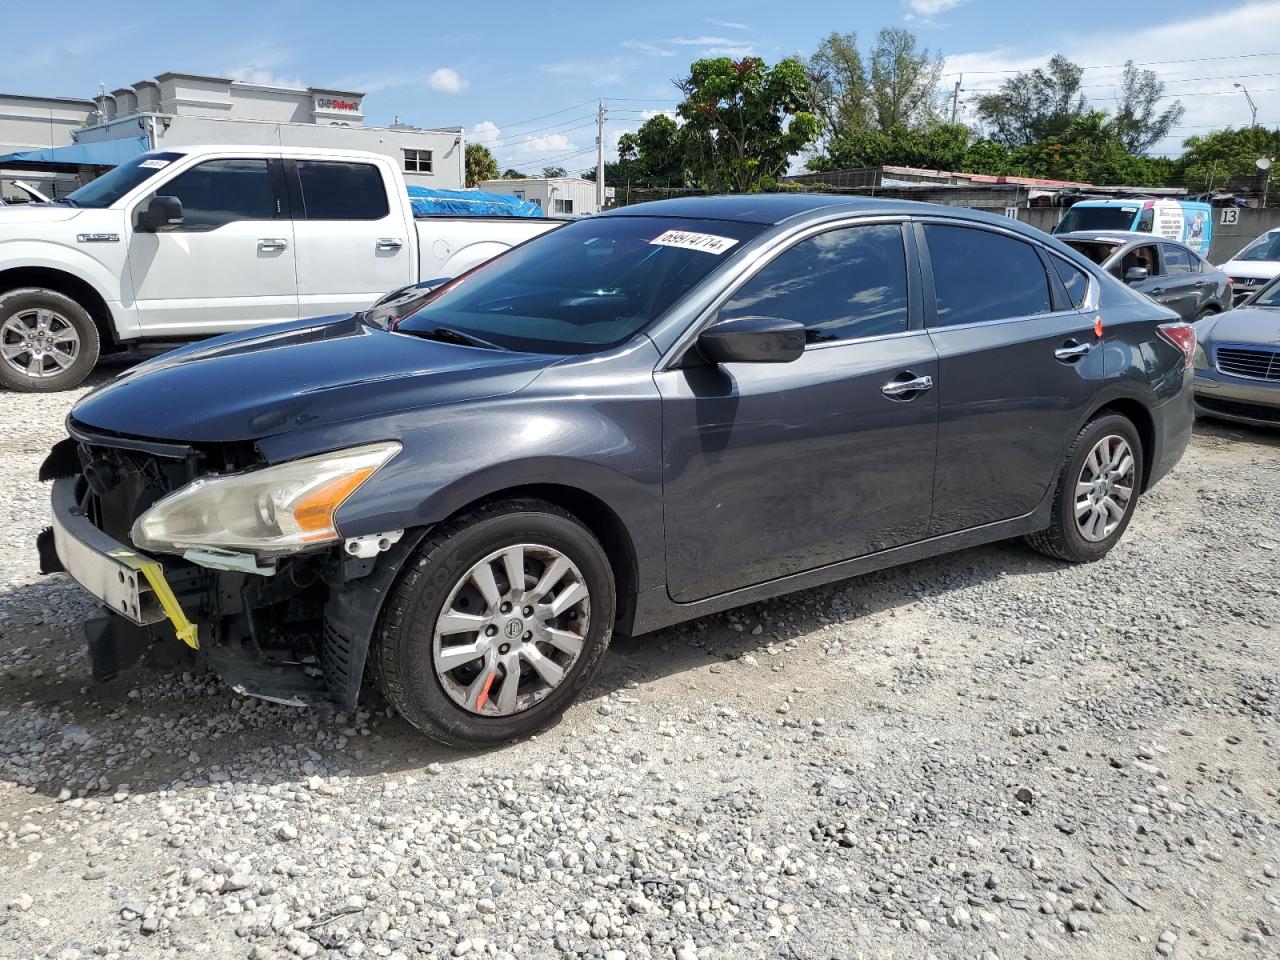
pixel 457 596
pixel 48 342
pixel 1097 492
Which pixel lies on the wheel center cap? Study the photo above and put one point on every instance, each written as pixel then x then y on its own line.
pixel 514 628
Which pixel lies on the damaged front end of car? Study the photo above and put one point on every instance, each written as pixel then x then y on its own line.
pixel 208 555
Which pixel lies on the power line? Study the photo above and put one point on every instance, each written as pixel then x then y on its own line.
pixel 545 131
pixel 1144 63
pixel 521 123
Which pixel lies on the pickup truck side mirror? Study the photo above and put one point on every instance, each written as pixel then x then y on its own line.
pixel 752 340
pixel 1136 274
pixel 160 213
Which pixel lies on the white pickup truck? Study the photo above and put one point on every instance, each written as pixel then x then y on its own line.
pixel 186 243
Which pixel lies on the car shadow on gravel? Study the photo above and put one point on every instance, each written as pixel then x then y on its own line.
pixel 157 731
pixel 1226 430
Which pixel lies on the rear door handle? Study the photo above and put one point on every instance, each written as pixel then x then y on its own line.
pixel 272 243
pixel 1071 351
pixel 898 389
pixel 388 243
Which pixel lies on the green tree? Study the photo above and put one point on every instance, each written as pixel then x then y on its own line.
pixel 1138 122
pixel 903 81
pixel 513 174
pixel 744 120
pixel 838 87
pixel 1212 160
pixel 1034 106
pixel 480 164
pixel 554 172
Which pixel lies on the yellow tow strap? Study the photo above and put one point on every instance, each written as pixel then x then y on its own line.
pixel 185 629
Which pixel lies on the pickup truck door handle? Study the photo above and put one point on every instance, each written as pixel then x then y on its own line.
pixel 1071 351
pixel 272 243
pixel 899 389
pixel 388 243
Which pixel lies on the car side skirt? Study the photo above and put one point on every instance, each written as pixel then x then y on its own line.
pixel 655 609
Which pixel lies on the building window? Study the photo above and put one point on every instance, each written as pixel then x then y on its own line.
pixel 562 206
pixel 417 161
pixel 519 194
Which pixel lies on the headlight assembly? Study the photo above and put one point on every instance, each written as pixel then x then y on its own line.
pixel 1200 358
pixel 274 510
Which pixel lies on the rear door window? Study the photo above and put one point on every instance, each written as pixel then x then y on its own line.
pixel 843 284
pixel 336 190
pixel 1177 260
pixel 979 275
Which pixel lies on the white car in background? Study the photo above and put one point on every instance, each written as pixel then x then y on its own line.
pixel 1253 266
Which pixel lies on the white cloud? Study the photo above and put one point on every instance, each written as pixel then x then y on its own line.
pixel 254 73
pixel 609 72
pixel 447 80
pixel 698 41
pixel 486 132
pixel 728 24
pixel 925 10
pixel 1204 87
pixel 648 49
pixel 736 53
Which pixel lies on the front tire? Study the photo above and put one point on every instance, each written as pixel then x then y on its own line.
pixel 497 624
pixel 48 342
pixel 1097 492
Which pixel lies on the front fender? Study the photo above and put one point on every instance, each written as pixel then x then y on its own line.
pixel 102 272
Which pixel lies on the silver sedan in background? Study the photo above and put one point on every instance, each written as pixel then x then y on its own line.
pixel 1237 361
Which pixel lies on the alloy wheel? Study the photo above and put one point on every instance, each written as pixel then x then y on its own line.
pixel 39 343
pixel 511 629
pixel 1104 490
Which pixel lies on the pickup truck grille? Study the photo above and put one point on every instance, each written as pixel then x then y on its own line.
pixel 1255 363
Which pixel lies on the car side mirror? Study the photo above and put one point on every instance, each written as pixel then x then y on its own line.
pixel 1136 274
pixel 160 213
pixel 752 340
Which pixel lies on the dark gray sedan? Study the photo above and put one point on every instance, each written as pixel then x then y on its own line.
pixel 643 417
pixel 1238 361
pixel 1170 273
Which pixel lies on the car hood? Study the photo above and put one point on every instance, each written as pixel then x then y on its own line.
pixel 1251 269
pixel 35 213
pixel 1244 325
pixel 297 375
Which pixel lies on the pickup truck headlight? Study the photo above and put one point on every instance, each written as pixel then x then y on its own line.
pixel 274 510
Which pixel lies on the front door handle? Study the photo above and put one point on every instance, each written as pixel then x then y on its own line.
pixel 267 244
pixel 388 243
pixel 899 389
pixel 1071 351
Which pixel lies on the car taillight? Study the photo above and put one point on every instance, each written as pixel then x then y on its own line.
pixel 1182 336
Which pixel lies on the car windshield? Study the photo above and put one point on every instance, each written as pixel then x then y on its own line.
pixel 1081 217
pixel 1266 247
pixel 1268 296
pixel 585 287
pixel 111 186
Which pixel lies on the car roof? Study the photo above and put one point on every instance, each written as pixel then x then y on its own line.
pixel 1118 236
pixel 777 208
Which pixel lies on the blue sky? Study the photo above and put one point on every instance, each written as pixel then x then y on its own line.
pixel 524 80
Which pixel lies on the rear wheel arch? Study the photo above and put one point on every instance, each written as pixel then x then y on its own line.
pixel 1136 413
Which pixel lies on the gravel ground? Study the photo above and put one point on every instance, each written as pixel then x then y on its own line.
pixel 988 755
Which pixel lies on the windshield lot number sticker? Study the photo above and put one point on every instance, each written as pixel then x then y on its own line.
pixel 154 164
pixel 705 242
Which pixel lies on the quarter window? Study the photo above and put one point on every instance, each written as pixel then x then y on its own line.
pixel 979 275
pixel 417 161
pixel 333 190
pixel 842 285
pixel 1075 280
pixel 218 192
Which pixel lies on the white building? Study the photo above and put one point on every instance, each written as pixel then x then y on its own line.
pixel 555 195
pixel 80 138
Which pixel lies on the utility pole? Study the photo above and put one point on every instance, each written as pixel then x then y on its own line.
pixel 600 157
pixel 955 98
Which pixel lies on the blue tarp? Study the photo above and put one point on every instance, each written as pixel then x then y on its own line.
pixel 427 201
pixel 104 153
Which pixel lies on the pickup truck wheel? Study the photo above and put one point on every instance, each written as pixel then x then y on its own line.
pixel 1097 492
pixel 497 624
pixel 48 342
